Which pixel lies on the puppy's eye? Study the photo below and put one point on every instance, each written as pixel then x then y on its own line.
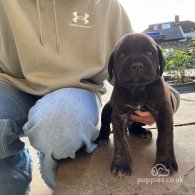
pixel 149 53
pixel 121 55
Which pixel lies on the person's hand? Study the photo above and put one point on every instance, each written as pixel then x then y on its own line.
pixel 146 117
pixel 142 117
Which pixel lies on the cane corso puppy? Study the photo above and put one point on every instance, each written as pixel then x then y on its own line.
pixel 137 65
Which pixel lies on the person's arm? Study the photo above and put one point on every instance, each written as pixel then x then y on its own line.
pixel 119 25
pixel 175 99
pixel 146 117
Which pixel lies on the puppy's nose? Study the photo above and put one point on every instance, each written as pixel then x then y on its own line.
pixel 137 67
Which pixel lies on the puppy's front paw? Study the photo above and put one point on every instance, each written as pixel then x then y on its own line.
pixel 121 168
pixel 166 166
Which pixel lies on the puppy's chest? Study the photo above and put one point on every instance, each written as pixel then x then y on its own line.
pixel 130 106
pixel 128 103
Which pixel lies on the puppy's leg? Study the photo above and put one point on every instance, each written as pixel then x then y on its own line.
pixel 105 125
pixel 165 149
pixel 138 130
pixel 121 163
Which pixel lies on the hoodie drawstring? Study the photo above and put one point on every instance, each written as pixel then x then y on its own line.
pixel 40 24
pixel 55 23
pixel 56 26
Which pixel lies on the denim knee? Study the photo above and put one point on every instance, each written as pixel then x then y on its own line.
pixel 60 124
pixel 62 142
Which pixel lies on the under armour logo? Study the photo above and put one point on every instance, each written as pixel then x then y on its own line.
pixel 76 18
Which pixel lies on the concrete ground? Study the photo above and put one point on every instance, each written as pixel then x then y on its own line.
pixel 90 177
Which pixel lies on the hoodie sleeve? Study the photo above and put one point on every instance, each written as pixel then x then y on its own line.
pixel 9 61
pixel 175 97
pixel 119 22
pixel 1 44
pixel 3 36
pixel 119 25
pixel 1 71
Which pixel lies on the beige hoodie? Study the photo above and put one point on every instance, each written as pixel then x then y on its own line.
pixel 51 44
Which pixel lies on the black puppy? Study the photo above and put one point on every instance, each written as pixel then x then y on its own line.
pixel 137 65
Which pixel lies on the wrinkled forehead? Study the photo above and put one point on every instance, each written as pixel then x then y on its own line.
pixel 136 42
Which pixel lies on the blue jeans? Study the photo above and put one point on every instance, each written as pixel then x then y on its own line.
pixel 57 125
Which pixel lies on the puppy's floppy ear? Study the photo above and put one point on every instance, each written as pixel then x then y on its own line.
pixel 111 66
pixel 161 60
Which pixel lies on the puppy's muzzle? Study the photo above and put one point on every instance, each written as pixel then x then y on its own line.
pixel 137 68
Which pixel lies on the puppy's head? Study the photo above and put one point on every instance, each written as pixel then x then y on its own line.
pixel 136 60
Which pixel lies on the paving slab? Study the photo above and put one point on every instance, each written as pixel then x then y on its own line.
pixel 90 173
pixel 186 111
